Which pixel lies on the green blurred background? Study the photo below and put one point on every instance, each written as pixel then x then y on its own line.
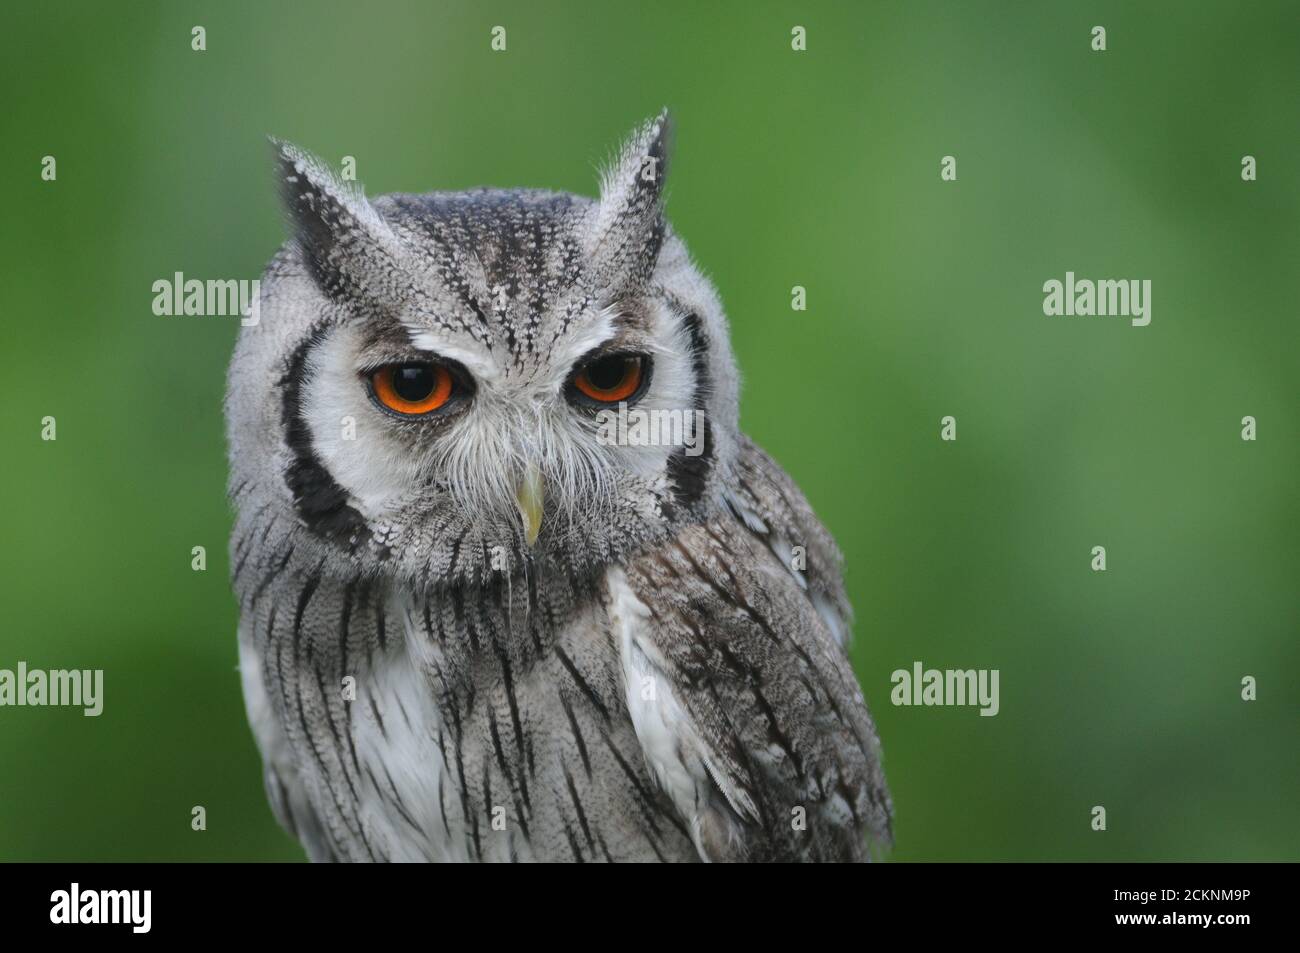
pixel 818 169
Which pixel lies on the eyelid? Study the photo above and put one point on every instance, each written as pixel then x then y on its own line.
pixel 373 361
pixel 380 359
pixel 613 349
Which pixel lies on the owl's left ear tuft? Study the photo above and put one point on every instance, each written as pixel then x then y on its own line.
pixel 330 219
pixel 629 224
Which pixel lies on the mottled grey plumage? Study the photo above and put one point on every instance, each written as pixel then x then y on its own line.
pixel 655 675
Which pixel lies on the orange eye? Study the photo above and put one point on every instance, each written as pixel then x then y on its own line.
pixel 612 378
pixel 412 389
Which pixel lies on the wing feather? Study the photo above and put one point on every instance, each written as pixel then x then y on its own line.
pixel 740 692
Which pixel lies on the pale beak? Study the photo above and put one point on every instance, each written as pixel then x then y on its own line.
pixel 530 496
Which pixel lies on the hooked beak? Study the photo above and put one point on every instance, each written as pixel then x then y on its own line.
pixel 530 497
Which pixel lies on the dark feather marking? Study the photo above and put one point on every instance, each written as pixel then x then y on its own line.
pixel 741 603
pixel 573 843
pixel 533 626
pixel 497 748
pixel 728 657
pixel 777 488
pixel 645 801
pixel 577 734
pixel 460 770
pixel 515 721
pixel 253 522
pixel 478 845
pixel 775 733
pixel 850 798
pixel 724 559
pixel 325 776
pixel 270 624
pixel 690 474
pixel 266 530
pixel 662 561
pixel 304 597
pixel 442 799
pixel 239 564
pixel 487 624
pixel 243 549
pixel 379 719
pixel 323 505
pixel 577 806
pixel 269 578
pixel 827 695
pixel 740 754
pixel 487 798
pixel 428 622
pixel 345 623
pixel 582 683
pixel 526 807
pixel 654 846
pixel 397 802
pixel 282 795
pixel 374 781
pixel 734 599
pixel 454 560
pixel 287 675
pixel 522 819
pixel 442 747
pixel 649 804
pixel 458 613
pixel 402 709
pixel 380 623
pixel 338 738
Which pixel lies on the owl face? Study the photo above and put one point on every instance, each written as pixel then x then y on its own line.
pixel 452 385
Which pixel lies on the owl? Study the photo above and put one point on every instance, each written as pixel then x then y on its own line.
pixel 513 585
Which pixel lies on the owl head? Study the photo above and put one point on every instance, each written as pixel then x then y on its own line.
pixel 450 385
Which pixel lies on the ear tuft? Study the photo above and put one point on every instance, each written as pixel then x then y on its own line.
pixel 641 168
pixel 629 224
pixel 331 220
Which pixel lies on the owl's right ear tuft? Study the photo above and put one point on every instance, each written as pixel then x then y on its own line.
pixel 331 220
pixel 628 227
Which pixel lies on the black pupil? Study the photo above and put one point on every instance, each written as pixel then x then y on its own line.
pixel 414 382
pixel 608 372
